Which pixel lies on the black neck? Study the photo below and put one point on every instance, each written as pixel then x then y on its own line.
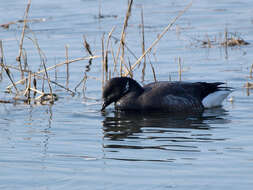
pixel 134 86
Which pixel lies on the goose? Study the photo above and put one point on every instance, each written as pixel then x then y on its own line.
pixel 165 96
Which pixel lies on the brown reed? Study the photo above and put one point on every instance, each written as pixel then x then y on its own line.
pixel 87 46
pixel 123 35
pixel 52 67
pixel 179 69
pixel 103 61
pixel 153 69
pixel 143 44
pixel 22 38
pixel 48 80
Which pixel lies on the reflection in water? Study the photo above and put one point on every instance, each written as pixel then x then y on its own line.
pixel 158 132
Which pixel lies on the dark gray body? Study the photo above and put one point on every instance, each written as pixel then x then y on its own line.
pixel 164 96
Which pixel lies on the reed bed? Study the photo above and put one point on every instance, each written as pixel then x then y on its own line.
pixel 37 86
pixel 226 39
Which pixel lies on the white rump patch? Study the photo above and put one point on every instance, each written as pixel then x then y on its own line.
pixel 215 99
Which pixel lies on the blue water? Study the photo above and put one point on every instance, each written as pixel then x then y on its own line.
pixel 72 145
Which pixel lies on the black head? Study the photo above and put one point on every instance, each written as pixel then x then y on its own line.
pixel 116 88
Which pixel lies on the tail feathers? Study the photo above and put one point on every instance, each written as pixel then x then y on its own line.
pixel 215 99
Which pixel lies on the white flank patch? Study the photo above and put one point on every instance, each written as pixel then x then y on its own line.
pixel 215 99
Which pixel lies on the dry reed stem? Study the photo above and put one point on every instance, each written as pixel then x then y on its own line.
pixel 44 78
pixel 143 44
pixel 226 43
pixel 9 75
pixel 179 69
pixel 29 87
pixel 83 79
pixel 87 46
pixel 5 102
pixel 67 65
pixel 6 68
pixel 226 37
pixel 130 72
pixel 107 47
pixel 48 80
pixel 159 37
pixel 128 13
pixel 43 83
pixel 153 69
pixel 7 25
pixel 54 82
pixel 28 90
pixel 122 55
pixel 109 37
pixel 1 73
pixel 1 59
pixel 34 85
pixel 52 67
pixel 103 61
pixel 22 36
pixel 36 90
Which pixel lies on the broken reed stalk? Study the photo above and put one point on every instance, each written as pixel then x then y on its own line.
pixel 29 89
pixel 226 43
pixel 48 80
pixel 43 83
pixel 83 80
pixel 34 85
pixel 159 37
pixel 6 68
pixel 143 44
pixel 22 36
pixel 130 72
pixel 122 55
pixel 179 69
pixel 122 38
pixel 109 38
pixel 52 67
pixel 1 72
pixel 67 65
pixel 44 78
pixel 226 37
pixel 87 46
pixel 103 61
pixel 153 69
pixel 7 25
pixel 57 84
pixel 107 47
pixel 1 59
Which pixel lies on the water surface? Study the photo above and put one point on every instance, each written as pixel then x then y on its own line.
pixel 72 145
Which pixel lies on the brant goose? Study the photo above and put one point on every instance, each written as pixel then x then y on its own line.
pixel 173 97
